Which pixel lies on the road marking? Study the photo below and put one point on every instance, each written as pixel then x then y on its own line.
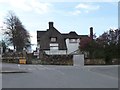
pixel 41 67
pixel 53 70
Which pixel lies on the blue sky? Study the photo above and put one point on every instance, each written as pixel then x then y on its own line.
pixel 67 16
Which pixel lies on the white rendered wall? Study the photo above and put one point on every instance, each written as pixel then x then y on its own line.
pixel 71 47
pixel 78 60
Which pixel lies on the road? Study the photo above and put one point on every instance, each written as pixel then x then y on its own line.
pixel 51 76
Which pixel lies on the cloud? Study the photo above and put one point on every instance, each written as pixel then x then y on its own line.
pixel 87 6
pixel 77 12
pixel 84 8
pixel 29 5
pixel 2 14
pixel 20 4
pixel 2 25
pixel 40 7
pixel 2 1
pixel 74 0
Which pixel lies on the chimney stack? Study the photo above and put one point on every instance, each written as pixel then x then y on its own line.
pixel 91 32
pixel 50 25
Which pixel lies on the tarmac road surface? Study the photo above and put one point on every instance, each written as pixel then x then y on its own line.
pixel 52 76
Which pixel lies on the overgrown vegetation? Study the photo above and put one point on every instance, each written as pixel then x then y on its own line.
pixel 106 46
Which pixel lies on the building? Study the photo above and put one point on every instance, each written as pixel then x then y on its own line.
pixel 53 42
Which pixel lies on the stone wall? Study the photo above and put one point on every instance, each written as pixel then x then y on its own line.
pixel 12 57
pixel 57 59
pixel 100 62
pixel 94 61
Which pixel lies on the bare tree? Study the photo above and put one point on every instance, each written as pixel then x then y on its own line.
pixel 17 35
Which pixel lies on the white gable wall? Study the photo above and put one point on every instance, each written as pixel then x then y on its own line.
pixel 72 46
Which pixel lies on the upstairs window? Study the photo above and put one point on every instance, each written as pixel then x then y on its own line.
pixel 53 39
pixel 73 40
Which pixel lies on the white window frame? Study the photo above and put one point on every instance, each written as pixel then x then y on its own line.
pixel 53 39
pixel 54 46
pixel 72 40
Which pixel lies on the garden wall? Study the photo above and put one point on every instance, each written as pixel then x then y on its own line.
pixel 57 59
pixel 100 62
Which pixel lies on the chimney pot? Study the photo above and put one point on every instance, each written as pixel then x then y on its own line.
pixel 50 25
pixel 91 32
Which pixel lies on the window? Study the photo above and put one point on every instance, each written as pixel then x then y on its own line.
pixel 54 46
pixel 73 40
pixel 53 39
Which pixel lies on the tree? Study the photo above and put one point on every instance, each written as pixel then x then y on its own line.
pixel 105 46
pixel 109 40
pixel 17 35
pixel 84 43
pixel 87 45
pixel 4 46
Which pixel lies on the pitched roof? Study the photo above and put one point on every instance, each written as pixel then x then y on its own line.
pixel 82 36
pixel 43 37
pixel 40 33
pixel 73 34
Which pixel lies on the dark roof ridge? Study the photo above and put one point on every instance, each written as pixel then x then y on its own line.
pixel 54 29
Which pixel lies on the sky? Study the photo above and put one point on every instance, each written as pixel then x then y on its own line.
pixel 67 15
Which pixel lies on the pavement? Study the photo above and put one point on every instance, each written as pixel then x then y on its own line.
pixel 10 69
